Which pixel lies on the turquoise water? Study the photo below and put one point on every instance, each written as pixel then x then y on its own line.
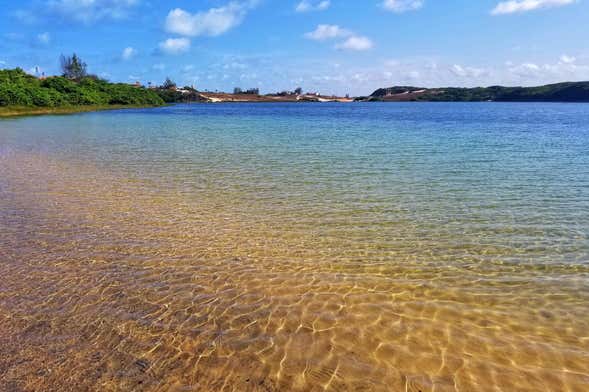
pixel 447 242
pixel 515 174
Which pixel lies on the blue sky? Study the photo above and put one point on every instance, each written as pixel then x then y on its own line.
pixel 331 46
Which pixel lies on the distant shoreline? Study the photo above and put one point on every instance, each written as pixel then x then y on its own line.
pixel 558 92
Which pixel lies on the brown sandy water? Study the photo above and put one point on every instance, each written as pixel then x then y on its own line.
pixel 118 282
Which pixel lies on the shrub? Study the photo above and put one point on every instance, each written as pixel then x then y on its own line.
pixel 17 88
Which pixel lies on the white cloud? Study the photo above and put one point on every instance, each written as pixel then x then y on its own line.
pixel 88 11
pixel 568 70
pixel 128 53
pixel 234 65
pixel 356 42
pixel 525 69
pixel 412 75
pixel 400 6
pixel 352 41
pixel 468 72
pixel 44 38
pixel 214 22
pixel 175 45
pixel 567 59
pixel 516 6
pixel 324 32
pixel 308 5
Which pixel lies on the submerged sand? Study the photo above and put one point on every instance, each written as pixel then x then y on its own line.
pixel 110 283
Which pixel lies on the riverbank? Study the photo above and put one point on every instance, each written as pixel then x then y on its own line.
pixel 19 111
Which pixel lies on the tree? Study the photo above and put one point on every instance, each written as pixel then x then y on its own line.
pixel 169 84
pixel 73 67
pixel 298 91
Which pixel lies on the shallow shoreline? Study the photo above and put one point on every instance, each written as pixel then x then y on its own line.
pixel 23 111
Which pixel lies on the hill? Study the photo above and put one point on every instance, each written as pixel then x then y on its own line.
pixel 559 92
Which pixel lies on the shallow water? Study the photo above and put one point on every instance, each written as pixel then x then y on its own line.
pixel 304 247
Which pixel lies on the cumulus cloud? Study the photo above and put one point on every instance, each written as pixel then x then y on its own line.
pixel 128 53
pixel 308 5
pixel 567 59
pixel 525 69
pixel 356 42
pixel 352 41
pixel 213 22
pixel 518 6
pixel 175 45
pixel 400 6
pixel 89 11
pixel 468 72
pixel 325 32
pixel 565 69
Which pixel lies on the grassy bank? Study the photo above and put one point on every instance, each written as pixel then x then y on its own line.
pixel 18 111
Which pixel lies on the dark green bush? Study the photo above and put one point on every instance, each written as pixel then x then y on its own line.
pixel 17 88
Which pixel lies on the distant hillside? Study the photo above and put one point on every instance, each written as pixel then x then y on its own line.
pixel 560 92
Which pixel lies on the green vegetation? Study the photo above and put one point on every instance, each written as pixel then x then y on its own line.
pixel 560 92
pixel 169 96
pixel 73 67
pixel 170 93
pixel 74 89
pixel 169 84
pixel 20 89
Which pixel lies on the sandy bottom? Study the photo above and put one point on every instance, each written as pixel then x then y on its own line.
pixel 116 284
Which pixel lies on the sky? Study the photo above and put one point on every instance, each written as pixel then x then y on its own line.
pixel 328 46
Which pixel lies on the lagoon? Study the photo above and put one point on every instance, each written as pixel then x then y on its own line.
pixel 279 246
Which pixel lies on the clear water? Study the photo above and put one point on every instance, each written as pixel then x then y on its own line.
pixel 296 247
